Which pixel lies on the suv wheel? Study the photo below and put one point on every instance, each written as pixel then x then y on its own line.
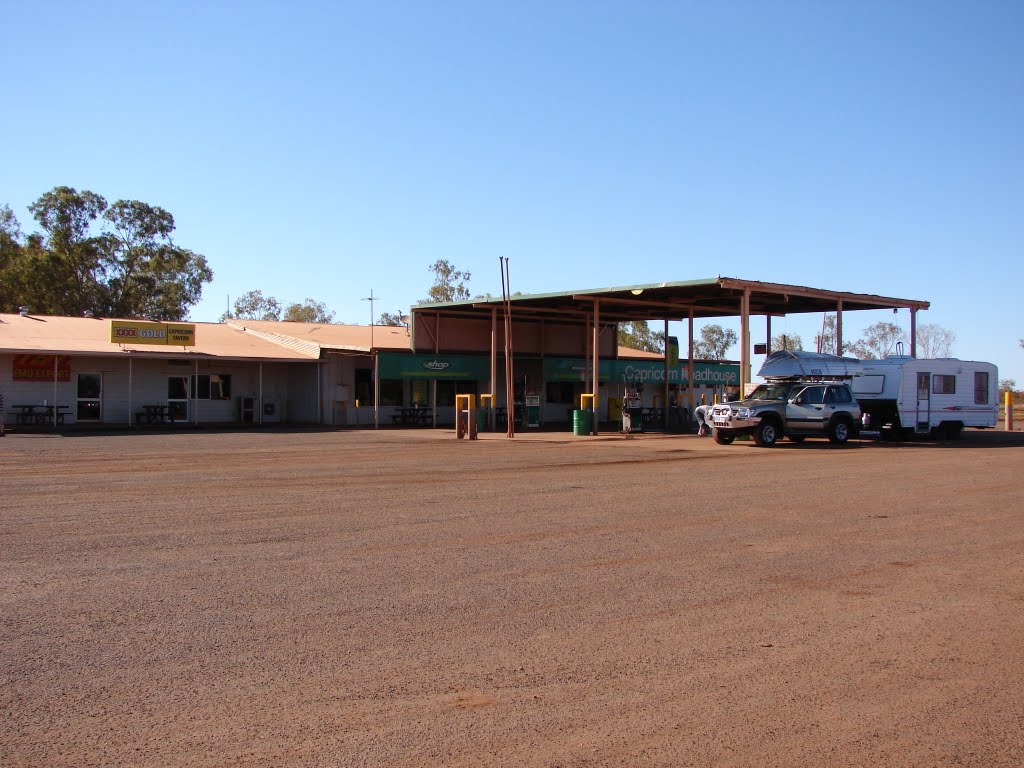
pixel 767 434
pixel 723 439
pixel 839 431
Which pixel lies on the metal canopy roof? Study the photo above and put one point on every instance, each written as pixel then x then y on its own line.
pixel 709 298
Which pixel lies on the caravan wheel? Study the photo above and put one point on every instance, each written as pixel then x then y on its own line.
pixel 948 430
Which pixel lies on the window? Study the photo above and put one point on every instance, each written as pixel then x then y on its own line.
pixel 446 391
pixel 220 386
pixel 838 395
pixel 869 385
pixel 391 392
pixel 943 384
pixel 364 386
pixel 981 388
pixel 811 396
pixel 177 388
pixel 177 398
pixel 88 397
pixel 773 392
pixel 210 387
pixel 923 386
pixel 561 392
pixel 420 392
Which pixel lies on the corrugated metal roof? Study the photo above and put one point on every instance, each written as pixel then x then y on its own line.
pixel 706 298
pixel 236 339
pixel 355 338
pixel 639 354
pixel 526 298
pixel 91 336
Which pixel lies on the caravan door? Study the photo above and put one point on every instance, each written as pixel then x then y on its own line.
pixel 924 403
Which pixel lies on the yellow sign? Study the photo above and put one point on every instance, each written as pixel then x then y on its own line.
pixel 139 332
pixel 181 335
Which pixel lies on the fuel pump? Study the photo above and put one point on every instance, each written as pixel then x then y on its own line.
pixel 632 396
pixel 533 411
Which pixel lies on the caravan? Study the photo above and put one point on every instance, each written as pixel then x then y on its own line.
pixel 902 395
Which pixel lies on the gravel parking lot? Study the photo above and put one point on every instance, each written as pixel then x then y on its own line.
pixel 401 598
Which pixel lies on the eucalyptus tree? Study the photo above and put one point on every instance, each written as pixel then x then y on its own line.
pixel 87 256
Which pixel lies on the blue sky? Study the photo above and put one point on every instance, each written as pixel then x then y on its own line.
pixel 321 150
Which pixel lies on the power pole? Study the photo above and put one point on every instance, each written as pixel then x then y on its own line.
pixel 376 369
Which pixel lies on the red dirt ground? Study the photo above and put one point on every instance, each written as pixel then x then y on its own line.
pixel 401 598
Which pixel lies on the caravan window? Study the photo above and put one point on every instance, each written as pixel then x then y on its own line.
pixel 981 387
pixel 943 384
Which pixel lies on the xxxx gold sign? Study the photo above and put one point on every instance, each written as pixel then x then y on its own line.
pixel 169 334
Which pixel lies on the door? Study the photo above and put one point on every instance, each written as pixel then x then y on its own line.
pixel 177 398
pixel 806 413
pixel 924 402
pixel 89 397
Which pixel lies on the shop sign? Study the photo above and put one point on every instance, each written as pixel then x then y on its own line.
pixel 181 334
pixel 574 369
pixel 40 367
pixel 704 374
pixel 477 368
pixel 462 367
pixel 646 371
pixel 165 334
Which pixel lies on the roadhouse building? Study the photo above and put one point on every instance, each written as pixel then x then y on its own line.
pixel 82 372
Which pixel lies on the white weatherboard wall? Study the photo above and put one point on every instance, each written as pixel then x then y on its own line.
pixel 300 400
pixel 31 392
pixel 148 386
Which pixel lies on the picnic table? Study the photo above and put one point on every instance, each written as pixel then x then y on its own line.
pixel 153 414
pixel 415 417
pixel 39 415
pixel 652 416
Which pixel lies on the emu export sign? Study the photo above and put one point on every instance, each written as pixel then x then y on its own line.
pixel 41 368
pixel 166 334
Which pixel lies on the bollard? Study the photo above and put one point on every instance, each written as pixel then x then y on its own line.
pixel 465 406
pixel 1008 399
